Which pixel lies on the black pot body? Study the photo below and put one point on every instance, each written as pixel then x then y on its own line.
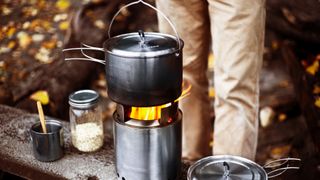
pixel 144 81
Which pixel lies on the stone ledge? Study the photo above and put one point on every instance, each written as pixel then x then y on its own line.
pixel 16 153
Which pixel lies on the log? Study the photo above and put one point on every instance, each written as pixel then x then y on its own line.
pixel 295 19
pixel 303 87
pixel 59 78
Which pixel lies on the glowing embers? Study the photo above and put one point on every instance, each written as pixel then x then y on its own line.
pixel 155 112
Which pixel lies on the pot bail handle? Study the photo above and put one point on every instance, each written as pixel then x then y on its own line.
pixel 152 7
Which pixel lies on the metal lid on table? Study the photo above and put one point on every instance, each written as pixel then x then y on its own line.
pixel 142 44
pixel 226 167
pixel 83 98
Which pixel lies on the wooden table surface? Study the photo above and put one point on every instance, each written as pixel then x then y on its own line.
pixel 16 154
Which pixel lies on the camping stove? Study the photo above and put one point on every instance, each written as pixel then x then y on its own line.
pixel 147 149
pixel 144 77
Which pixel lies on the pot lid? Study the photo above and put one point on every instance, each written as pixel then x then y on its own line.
pixel 83 98
pixel 226 167
pixel 141 44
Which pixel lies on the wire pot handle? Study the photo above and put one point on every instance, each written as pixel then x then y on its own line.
pixel 152 7
pixel 277 164
pixel 86 56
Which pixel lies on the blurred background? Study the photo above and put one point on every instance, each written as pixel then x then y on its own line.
pixel 34 32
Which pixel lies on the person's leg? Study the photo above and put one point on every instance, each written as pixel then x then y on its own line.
pixel 192 22
pixel 238 37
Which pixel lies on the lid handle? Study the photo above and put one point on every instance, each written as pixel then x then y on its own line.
pixel 142 38
pixel 152 7
pixel 277 164
pixel 226 169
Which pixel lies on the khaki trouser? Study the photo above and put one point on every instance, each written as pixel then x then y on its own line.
pixel 237 28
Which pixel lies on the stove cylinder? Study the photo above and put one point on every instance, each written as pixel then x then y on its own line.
pixel 148 153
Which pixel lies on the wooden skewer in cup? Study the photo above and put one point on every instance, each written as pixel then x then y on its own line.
pixel 41 116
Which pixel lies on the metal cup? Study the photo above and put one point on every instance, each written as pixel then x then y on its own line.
pixel 47 146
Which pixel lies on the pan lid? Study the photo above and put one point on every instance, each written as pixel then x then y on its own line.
pixel 226 167
pixel 141 44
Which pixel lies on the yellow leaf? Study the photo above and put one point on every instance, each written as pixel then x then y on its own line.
pixel 312 69
pixel 317 102
pixel 62 4
pixel 282 117
pixel 41 96
pixel 64 25
pixel 11 44
pixel 211 143
pixel 211 92
pixel 274 45
pixel 11 31
pixel 280 151
pixel 211 61
pixel 24 39
pixel 50 44
pixel 316 89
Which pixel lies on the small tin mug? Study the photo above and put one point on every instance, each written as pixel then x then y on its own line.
pixel 47 146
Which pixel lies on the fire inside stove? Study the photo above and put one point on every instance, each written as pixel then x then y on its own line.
pixel 154 112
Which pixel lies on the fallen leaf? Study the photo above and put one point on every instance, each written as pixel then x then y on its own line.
pixel 284 84
pixel 62 4
pixel 64 25
pixel 212 92
pixel 60 17
pixel 289 15
pixel 317 102
pixel 211 60
pixel 26 25
pixel 211 143
pixel 6 10
pixel 100 24
pixel 11 31
pixel 37 37
pixel 44 55
pixel 11 44
pixel 266 116
pixel 312 69
pixel 282 117
pixel 274 45
pixel 24 39
pixel 316 89
pixel 41 96
pixel 2 64
pixel 50 44
pixel 280 151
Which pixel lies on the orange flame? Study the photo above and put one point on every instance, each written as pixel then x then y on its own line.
pixel 154 112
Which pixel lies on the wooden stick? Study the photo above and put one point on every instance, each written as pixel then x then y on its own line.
pixel 41 116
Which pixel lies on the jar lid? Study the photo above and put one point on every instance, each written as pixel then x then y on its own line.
pixel 226 167
pixel 83 98
pixel 142 44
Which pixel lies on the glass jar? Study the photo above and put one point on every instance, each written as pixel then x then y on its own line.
pixel 86 120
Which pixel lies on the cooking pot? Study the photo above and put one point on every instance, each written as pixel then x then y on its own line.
pixel 142 68
pixel 227 167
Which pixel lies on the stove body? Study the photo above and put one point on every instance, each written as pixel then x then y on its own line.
pixel 147 150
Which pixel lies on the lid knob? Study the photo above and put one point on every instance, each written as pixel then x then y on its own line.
pixel 142 39
pixel 226 170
